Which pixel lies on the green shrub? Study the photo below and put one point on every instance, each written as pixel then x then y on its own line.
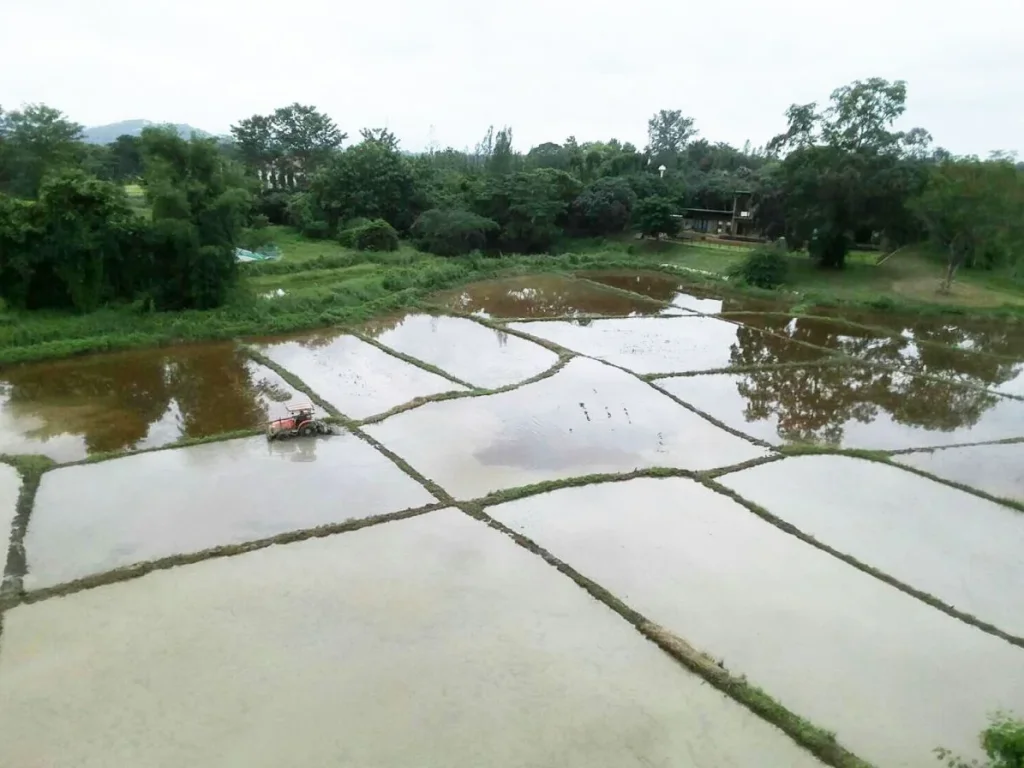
pixel 451 232
pixel 765 267
pixel 376 235
pixel 1003 742
pixel 347 231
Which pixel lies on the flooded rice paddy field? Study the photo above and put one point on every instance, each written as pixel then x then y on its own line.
pixel 528 486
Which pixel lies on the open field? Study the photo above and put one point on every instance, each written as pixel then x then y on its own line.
pixel 603 515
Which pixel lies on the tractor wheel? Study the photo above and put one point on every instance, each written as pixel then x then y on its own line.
pixel 308 430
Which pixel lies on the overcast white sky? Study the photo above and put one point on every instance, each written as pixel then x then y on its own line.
pixel 446 69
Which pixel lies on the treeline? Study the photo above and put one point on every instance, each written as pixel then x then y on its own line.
pixel 841 174
pixel 70 236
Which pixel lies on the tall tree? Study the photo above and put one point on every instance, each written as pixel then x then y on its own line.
pixel 975 211
pixel 200 204
pixel 34 141
pixel 668 133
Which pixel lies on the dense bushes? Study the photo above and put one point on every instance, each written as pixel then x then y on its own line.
pixel 375 235
pixel 765 267
pixel 80 244
pixel 604 207
pixel 451 232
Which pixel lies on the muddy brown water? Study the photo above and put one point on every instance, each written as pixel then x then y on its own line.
pixel 962 549
pixel 543 296
pixel 463 348
pixel 671 344
pixel 852 406
pixel 585 419
pixel 890 675
pixel 357 378
pixel 68 409
pixel 434 641
pixel 163 503
pixel 664 287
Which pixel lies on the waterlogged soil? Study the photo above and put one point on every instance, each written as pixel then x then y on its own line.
pixel 585 419
pixel 837 646
pixel 183 500
pixel 69 409
pixel 462 348
pixel 10 486
pixel 538 296
pixel 905 350
pixel 671 344
pixel 664 287
pixel 429 641
pixel 851 406
pixel 355 377
pixel 962 549
pixel 995 469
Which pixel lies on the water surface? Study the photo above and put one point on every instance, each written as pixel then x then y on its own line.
pixel 851 406
pixel 995 335
pixel 585 419
pixel 671 344
pixel 355 377
pixel 188 499
pixel 462 348
pixel 306 655
pixel 886 347
pixel 545 295
pixel 68 409
pixel 893 677
pixel 665 287
pixel 997 469
pixel 962 549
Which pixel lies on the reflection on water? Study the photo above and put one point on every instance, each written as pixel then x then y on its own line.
pixel 993 336
pixel 851 405
pixel 543 296
pixel 665 287
pixel 137 399
pixel 651 345
pixel 300 449
pixel 907 350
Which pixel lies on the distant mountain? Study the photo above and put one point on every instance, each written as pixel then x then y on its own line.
pixel 105 134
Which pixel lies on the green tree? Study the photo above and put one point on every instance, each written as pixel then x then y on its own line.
pixel 605 206
pixel 77 246
pixel 370 180
pixel 503 159
pixel 975 211
pixel 531 207
pixel 200 206
pixel 33 142
pixel 668 133
pixel 451 232
pixel 847 172
pixel 655 216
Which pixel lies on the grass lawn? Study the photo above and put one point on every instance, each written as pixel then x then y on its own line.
pixel 909 278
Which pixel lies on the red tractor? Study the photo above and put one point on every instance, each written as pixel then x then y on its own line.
pixel 300 421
